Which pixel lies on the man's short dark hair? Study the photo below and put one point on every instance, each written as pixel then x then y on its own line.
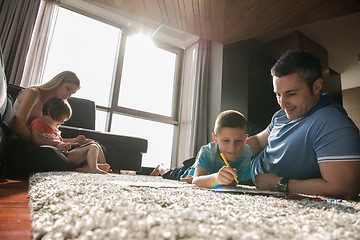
pixel 301 62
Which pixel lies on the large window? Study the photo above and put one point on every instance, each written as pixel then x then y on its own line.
pixel 133 80
pixel 89 48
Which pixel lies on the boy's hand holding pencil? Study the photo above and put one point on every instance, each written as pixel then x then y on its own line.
pixel 227 164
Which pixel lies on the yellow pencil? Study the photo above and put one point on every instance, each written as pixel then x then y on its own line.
pixel 227 164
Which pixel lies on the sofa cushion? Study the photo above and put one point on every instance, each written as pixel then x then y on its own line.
pixel 82 109
pixel 110 140
pixel 13 91
pixel 121 152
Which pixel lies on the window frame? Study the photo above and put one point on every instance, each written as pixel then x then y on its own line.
pixel 114 108
pixel 116 81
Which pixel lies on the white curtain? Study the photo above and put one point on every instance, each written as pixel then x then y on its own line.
pixel 41 38
pixel 193 107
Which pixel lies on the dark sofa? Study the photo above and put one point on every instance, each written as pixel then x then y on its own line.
pixel 122 152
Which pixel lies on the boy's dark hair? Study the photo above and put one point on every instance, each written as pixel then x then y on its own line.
pixel 301 62
pixel 57 108
pixel 231 119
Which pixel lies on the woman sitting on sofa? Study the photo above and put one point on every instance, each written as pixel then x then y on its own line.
pixel 22 157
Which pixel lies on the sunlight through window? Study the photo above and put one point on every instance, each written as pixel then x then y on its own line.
pixel 87 47
pixel 159 136
pixel 148 77
pixel 91 48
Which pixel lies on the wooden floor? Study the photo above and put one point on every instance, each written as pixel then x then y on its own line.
pixel 15 221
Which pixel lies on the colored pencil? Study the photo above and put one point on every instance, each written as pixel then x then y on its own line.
pixel 227 164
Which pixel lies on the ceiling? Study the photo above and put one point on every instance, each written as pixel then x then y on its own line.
pixel 334 24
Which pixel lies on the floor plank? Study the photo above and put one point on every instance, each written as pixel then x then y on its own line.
pixel 15 221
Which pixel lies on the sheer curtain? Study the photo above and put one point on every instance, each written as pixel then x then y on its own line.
pixel 41 38
pixel 17 19
pixel 193 112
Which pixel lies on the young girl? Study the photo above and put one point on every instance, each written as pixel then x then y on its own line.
pixel 44 131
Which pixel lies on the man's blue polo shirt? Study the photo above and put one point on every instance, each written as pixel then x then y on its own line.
pixel 296 147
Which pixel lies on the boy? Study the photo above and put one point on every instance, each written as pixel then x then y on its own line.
pixel 229 138
pixel 44 131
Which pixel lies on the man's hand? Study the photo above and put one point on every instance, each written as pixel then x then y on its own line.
pixel 340 179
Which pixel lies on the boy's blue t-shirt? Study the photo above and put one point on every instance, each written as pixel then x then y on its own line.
pixel 296 147
pixel 209 158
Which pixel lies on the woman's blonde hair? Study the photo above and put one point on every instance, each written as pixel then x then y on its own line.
pixel 63 77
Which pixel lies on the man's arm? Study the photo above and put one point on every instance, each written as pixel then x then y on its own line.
pixel 258 142
pixel 340 179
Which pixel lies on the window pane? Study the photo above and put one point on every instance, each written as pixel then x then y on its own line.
pixel 159 136
pixel 147 81
pixel 87 47
pixel 100 123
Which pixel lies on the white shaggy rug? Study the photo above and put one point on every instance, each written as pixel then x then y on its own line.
pixel 70 205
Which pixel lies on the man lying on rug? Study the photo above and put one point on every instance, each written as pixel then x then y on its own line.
pixel 311 146
pixel 211 169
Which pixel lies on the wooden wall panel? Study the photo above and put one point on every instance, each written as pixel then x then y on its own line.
pixel 177 16
pixel 189 14
pixel 165 12
pixel 204 31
